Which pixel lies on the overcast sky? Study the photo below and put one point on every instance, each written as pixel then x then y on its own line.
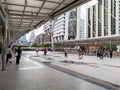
pixel 37 32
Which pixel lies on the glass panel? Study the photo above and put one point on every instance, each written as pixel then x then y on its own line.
pixel 31 9
pixel 50 5
pixel 72 28
pixel 20 2
pixel 15 7
pixel 34 3
pixel 46 11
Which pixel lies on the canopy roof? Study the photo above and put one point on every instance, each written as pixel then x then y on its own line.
pixel 25 15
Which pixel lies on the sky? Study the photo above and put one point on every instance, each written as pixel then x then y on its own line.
pixel 83 9
pixel 37 32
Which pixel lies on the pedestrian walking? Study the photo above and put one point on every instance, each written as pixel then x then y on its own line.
pixel 111 53
pixel 106 53
pixel 18 55
pixel 101 54
pixel 65 53
pixel 8 54
pixel 45 51
pixel 80 53
pixel 37 51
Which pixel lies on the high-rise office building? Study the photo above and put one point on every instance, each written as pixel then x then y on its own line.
pixel 59 28
pixel 103 18
pixel 117 14
pixel 69 26
pixel 82 29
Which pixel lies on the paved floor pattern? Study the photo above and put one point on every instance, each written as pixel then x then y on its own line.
pixel 30 75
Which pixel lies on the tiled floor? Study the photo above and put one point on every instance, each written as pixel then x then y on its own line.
pixel 30 75
pixel 107 70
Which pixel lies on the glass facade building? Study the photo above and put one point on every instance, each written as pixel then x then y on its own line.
pixel 102 19
pixel 69 26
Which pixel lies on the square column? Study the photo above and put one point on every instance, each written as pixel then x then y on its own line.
pixel 102 33
pixel 109 17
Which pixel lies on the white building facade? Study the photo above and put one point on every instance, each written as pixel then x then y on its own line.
pixel 69 26
pixel 103 19
pixel 59 29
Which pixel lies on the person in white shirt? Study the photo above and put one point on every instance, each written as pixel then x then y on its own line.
pixel 8 54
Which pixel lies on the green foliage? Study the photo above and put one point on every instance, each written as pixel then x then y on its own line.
pixel 45 45
pixel 114 47
pixel 42 45
pixel 106 47
pixel 34 45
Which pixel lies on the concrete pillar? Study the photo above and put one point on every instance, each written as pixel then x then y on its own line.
pixel 97 20
pixel 4 47
pixel 91 11
pixel 52 33
pixel 86 30
pixel 66 25
pixel 109 17
pixel 78 23
pixel 4 18
pixel 102 18
pixel 117 17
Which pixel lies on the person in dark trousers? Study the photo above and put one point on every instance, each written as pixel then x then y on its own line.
pixel 101 54
pixel 106 53
pixel 18 55
pixel 65 53
pixel 111 53
pixel 45 51
pixel 9 54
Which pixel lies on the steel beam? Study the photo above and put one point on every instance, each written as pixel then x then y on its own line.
pixel 2 16
pixel 39 10
pixel 34 17
pixel 27 6
pixel 52 2
pixel 57 6
pixel 72 5
pixel 27 11
pixel 21 27
pixel 3 11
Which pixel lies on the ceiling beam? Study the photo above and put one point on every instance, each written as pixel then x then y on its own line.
pixel 27 6
pixel 51 2
pixel 33 16
pixel 27 11
pixel 58 6
pixel 36 19
pixel 21 27
pixel 71 6
pixel 39 11
pixel 3 13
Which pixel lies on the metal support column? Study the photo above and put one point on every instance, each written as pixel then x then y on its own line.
pixel 4 44
pixel 3 16
pixel 52 33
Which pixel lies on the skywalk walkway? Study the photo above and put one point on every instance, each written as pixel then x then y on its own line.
pixel 31 74
pixel 106 71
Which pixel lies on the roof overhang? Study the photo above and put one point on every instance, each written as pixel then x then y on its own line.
pixel 33 13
